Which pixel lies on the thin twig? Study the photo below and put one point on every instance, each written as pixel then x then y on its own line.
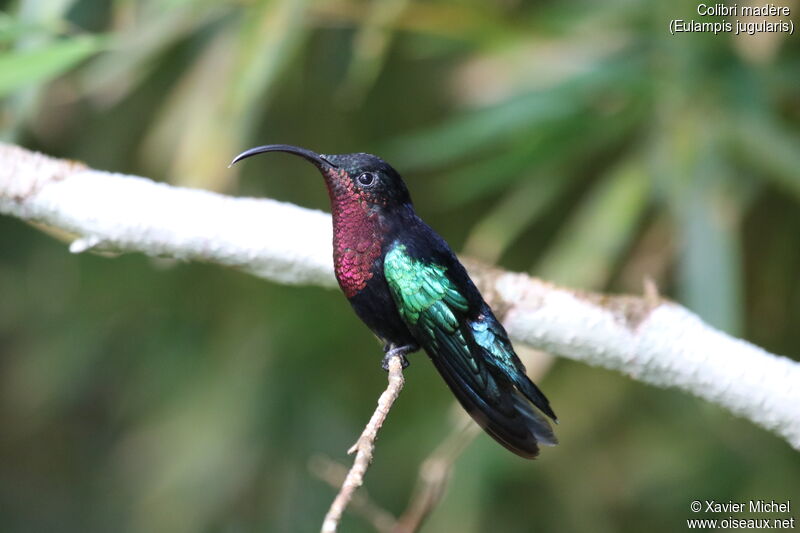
pixel 365 446
pixel 334 473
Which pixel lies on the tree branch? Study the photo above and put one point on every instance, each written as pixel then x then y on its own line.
pixel 648 338
pixel 364 446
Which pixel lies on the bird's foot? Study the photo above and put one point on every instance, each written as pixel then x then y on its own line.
pixel 399 351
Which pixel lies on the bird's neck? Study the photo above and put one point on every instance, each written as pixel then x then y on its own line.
pixel 357 243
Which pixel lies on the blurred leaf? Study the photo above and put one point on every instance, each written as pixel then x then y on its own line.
pixel 270 37
pixel 480 23
pixel 559 148
pixel 370 46
pixel 43 11
pixel 188 136
pixel 19 69
pixel 480 131
pixel 762 142
pixel 465 136
pixel 138 46
pixel 11 28
pixel 706 205
pixel 496 172
pixel 194 453
pixel 711 277
pixel 513 214
pixel 212 110
pixel 39 25
pixel 710 267
pixel 591 243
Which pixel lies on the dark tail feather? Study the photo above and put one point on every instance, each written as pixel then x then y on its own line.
pixel 532 392
pixel 498 407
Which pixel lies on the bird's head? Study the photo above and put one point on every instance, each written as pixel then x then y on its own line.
pixel 364 179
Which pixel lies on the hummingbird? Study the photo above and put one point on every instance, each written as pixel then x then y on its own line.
pixel 408 287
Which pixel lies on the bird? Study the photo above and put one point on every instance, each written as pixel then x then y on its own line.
pixel 409 288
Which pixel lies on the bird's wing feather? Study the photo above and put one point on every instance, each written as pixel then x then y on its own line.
pixel 492 337
pixel 474 356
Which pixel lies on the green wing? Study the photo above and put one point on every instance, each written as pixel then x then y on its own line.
pixel 473 356
pixel 424 295
pixel 434 311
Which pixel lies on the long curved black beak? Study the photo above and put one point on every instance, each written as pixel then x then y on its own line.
pixel 318 160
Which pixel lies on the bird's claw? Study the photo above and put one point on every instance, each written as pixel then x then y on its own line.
pixel 401 352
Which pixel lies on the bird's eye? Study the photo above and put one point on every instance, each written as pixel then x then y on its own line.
pixel 366 179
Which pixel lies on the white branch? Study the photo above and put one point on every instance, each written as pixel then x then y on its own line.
pixel 105 211
pixel 648 338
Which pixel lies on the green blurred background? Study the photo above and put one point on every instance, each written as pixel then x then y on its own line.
pixel 575 140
